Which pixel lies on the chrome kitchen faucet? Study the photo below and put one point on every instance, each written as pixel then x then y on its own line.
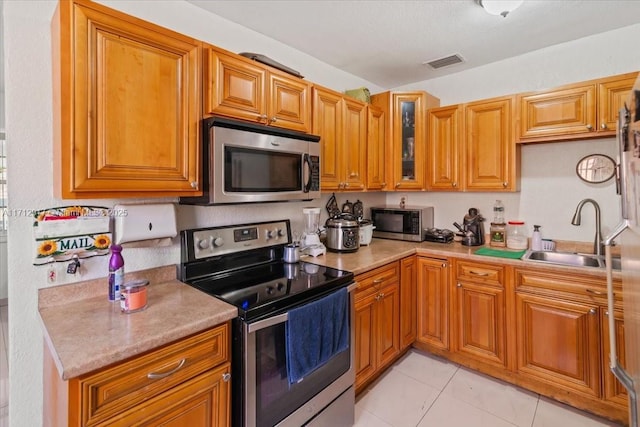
pixel 598 245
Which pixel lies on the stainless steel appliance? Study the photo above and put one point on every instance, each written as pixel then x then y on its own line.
pixel 243 265
pixel 249 163
pixel 343 234
pixel 405 223
pixel 628 140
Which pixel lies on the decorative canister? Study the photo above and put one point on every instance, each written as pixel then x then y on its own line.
pixel 133 296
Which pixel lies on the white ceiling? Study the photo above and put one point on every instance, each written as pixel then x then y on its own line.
pixel 386 41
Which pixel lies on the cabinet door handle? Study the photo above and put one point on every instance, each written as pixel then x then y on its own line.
pixel 397 185
pixel 353 175
pixel 194 184
pixel 444 264
pixel 589 127
pixel 273 119
pixel 484 273
pixel 592 311
pixel 226 377
pixel 603 125
pixel 157 376
pixel 263 117
pixel 505 184
pixel 606 313
pixel 459 285
pixel 384 184
pixel 454 184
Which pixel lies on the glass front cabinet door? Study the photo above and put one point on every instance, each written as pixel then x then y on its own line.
pixel 409 139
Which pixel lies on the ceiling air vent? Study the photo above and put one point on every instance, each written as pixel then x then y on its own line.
pixel 444 62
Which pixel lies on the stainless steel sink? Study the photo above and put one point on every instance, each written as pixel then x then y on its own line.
pixel 571 259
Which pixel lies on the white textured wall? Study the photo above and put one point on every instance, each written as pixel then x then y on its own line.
pixel 27 46
pixel 550 189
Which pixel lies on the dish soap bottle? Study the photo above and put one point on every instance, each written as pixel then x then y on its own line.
pixel 116 273
pixel 536 239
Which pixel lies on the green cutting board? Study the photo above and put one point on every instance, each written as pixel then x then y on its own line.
pixel 500 253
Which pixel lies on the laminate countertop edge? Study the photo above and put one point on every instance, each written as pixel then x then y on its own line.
pixel 92 333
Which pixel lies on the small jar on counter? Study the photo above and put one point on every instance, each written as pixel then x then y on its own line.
pixel 133 296
pixel 497 235
pixel 517 235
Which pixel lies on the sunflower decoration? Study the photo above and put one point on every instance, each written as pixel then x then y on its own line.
pixel 102 241
pixel 75 211
pixel 48 247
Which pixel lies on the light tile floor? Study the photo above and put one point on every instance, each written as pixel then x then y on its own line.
pixel 422 390
pixel 4 366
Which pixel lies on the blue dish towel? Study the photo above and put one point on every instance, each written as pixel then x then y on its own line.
pixel 315 333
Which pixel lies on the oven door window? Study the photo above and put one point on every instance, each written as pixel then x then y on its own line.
pixel 275 398
pixel 250 170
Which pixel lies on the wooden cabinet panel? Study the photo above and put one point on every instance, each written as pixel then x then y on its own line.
pixel 612 95
pixel 234 87
pixel 433 302
pixel 377 164
pixel 490 151
pixel 202 401
pixel 408 301
pixel 481 322
pixel 558 342
pixel 444 149
pixel 289 102
pixel 241 88
pixel 113 74
pixel 341 124
pixel 354 144
pixel 377 329
pixel 327 122
pixel 388 323
pixel 567 111
pixel 577 111
pixel 613 390
pixel 365 332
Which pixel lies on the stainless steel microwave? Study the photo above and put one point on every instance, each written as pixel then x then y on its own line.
pixel 406 223
pixel 250 163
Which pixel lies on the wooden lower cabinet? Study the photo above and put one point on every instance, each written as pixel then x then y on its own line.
pixel 408 301
pixel 179 384
pixel 558 342
pixel 433 302
pixel 479 305
pixel 377 328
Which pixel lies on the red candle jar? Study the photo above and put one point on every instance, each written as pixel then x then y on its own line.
pixel 133 296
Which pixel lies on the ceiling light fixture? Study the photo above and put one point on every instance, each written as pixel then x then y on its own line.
pixel 500 7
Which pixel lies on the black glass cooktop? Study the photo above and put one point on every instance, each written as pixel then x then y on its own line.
pixel 274 287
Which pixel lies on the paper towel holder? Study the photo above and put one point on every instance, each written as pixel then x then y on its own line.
pixel 141 222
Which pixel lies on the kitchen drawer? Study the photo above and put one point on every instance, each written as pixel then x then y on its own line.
pixel 124 385
pixel 488 274
pixel 575 287
pixel 378 278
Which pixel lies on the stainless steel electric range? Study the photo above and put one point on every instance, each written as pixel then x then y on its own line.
pixel 242 265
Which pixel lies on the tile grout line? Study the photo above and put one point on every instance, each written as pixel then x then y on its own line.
pixel 438 396
pixel 533 421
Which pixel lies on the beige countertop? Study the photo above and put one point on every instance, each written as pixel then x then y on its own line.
pixel 383 251
pixel 85 332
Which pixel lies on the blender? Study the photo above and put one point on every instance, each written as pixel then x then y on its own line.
pixel 310 237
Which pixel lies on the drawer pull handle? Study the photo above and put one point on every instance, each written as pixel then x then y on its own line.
pixel 378 281
pixel 478 274
pixel 591 291
pixel 156 376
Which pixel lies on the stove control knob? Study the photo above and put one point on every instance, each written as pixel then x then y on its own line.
pixel 269 234
pixel 203 244
pixel 218 241
pixel 280 232
pixel 280 287
pixel 270 290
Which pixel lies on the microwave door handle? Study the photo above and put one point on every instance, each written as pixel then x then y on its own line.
pixel 306 172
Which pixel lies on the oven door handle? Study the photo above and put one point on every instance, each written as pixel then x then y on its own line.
pixel 281 318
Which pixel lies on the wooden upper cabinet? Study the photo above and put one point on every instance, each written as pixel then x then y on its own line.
pixel 490 149
pixel 406 150
pixel 577 111
pixel 377 165
pixel 241 88
pixel 341 124
pixel 445 149
pixel 126 105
